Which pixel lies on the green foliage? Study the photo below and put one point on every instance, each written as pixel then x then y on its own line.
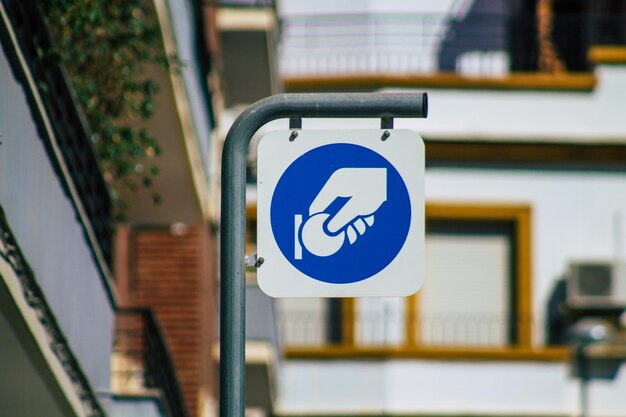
pixel 107 46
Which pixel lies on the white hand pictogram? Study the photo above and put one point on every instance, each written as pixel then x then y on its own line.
pixel 366 190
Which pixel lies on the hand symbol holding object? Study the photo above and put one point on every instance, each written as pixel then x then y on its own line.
pixel 366 189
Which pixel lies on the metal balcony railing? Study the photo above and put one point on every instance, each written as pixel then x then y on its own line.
pixel 471 44
pixel 389 328
pixel 141 360
pixel 394 327
pixel 72 135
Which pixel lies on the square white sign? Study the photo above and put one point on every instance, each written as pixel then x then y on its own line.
pixel 340 213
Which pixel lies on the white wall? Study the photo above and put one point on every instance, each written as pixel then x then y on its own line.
pixel 587 117
pixel 432 387
pixel 331 387
pixel 474 387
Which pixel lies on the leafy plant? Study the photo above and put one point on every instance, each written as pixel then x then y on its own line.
pixel 107 48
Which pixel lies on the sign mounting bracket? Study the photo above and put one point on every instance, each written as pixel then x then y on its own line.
pixel 295 123
pixel 386 123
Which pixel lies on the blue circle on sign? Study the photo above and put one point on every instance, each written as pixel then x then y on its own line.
pixel 333 175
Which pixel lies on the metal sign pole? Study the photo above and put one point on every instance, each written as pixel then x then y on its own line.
pixel 233 212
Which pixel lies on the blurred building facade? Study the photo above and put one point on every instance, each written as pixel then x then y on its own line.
pixel 525 189
pixel 245 53
pixel 97 322
pixel 165 263
pixel 525 178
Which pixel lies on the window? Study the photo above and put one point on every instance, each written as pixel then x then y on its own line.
pixel 468 297
pixel 493 297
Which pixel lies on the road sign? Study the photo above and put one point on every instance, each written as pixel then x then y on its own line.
pixel 340 213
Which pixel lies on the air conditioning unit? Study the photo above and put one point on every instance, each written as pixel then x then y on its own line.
pixel 596 284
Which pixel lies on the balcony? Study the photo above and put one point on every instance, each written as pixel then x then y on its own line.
pixel 248 32
pixel 483 50
pixel 70 149
pixel 387 330
pixel 55 211
pixel 143 378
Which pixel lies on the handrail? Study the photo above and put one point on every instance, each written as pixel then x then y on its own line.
pixel 141 339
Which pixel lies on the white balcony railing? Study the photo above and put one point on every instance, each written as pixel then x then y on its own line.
pixel 472 44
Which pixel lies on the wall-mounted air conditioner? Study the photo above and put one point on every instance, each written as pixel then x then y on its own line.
pixel 596 284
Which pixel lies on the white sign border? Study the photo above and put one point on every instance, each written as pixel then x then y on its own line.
pixel 277 277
